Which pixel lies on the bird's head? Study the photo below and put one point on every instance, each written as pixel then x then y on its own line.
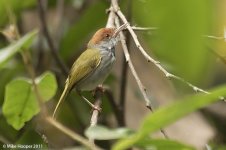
pixel 105 38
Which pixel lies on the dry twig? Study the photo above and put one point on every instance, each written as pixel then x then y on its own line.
pixel 140 85
pixel 124 71
pixel 98 101
pixel 168 75
pixel 143 28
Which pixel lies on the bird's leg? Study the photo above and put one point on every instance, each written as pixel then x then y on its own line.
pixel 98 88
pixel 86 100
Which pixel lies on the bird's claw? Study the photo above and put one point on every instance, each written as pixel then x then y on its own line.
pixel 97 108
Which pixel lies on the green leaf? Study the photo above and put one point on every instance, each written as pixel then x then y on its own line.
pixel 6 75
pixel 47 85
pixel 103 133
pixel 170 114
pixel 21 103
pixel 162 144
pixel 23 43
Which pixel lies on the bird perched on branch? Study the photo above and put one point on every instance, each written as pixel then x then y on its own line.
pixel 93 65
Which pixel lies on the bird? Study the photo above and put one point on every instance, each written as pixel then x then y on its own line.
pixel 93 65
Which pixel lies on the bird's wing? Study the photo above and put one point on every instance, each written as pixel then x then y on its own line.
pixel 83 66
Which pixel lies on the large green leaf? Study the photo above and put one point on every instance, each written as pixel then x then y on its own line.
pixel 162 144
pixel 6 75
pixel 47 85
pixel 170 114
pixel 23 43
pixel 104 133
pixel 21 103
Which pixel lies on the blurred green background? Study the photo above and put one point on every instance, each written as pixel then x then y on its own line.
pixel 180 42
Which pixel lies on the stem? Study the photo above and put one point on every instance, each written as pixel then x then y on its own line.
pixel 52 47
pixel 72 134
pixel 27 61
pixel 134 73
pixel 95 114
pixel 124 74
pixel 116 109
pixel 167 74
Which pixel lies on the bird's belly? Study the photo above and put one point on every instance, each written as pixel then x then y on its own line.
pixel 99 75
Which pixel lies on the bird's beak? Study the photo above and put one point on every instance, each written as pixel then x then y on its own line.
pixel 122 27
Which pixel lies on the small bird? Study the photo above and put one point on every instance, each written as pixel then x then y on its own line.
pixel 93 65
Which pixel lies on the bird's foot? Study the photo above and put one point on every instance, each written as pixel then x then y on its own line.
pixel 96 108
pixel 98 88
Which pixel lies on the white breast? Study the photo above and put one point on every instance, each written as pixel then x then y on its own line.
pixel 100 74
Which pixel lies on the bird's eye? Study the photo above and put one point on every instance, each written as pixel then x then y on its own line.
pixel 107 35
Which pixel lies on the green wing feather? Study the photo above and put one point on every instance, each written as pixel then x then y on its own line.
pixel 83 66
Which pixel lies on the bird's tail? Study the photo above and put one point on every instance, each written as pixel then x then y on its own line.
pixel 62 97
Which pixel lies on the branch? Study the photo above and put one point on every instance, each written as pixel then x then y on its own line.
pixel 111 18
pixel 94 117
pixel 27 62
pixel 115 107
pixel 143 28
pixel 124 72
pixel 168 75
pixel 72 134
pixel 214 37
pixel 4 140
pixel 98 102
pixel 128 60
pixel 59 20
pixel 52 47
pixel 12 34
pixel 95 114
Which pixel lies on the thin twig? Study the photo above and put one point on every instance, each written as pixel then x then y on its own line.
pixel 115 107
pixel 27 61
pixel 143 28
pixel 52 47
pixel 95 114
pixel 214 37
pixel 98 102
pixel 15 35
pixel 4 140
pixel 128 60
pixel 124 72
pixel 99 90
pixel 111 18
pixel 59 21
pixel 150 59
pixel 140 85
pixel 72 134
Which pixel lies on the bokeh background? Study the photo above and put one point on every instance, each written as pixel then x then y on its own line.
pixel 188 40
